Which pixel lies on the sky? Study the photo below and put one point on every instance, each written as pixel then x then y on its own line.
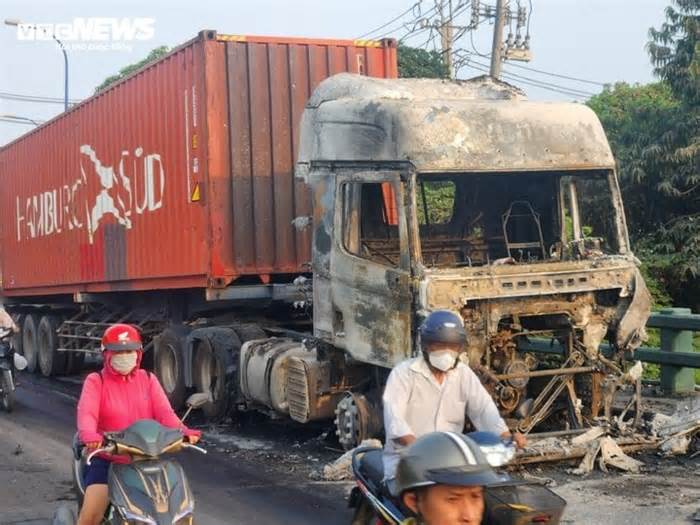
pixel 597 40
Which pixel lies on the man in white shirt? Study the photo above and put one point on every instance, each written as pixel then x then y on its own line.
pixel 436 391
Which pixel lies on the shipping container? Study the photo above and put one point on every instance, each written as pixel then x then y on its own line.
pixel 179 176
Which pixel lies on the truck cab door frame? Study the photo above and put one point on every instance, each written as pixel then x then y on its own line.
pixel 372 301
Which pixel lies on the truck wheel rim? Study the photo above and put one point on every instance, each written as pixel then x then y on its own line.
pixel 207 373
pixel 28 347
pixel 44 357
pixel 168 372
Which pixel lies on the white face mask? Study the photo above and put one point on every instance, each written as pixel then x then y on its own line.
pixel 443 359
pixel 124 362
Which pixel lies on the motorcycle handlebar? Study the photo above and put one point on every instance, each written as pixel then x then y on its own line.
pixel 109 449
pixel 112 448
pixel 185 444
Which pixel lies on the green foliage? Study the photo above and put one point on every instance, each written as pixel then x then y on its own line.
pixel 419 63
pixel 654 131
pixel 439 199
pixel 124 72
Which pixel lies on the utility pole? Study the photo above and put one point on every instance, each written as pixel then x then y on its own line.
pixel 445 31
pixel 497 47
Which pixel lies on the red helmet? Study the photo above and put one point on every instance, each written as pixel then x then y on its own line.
pixel 122 338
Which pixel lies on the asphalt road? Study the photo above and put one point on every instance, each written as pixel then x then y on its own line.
pixel 260 475
pixel 35 472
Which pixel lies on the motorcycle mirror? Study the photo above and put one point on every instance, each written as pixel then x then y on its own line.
pixel 20 362
pixel 198 400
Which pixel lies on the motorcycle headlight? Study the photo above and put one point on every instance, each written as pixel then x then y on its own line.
pixel 498 455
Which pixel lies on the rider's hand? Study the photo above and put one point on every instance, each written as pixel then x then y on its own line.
pixel 520 440
pixel 93 445
pixel 193 439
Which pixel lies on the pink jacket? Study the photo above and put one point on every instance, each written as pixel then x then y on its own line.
pixel 111 402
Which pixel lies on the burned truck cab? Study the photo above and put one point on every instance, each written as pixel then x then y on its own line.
pixel 464 195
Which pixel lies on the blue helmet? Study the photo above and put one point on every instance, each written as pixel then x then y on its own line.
pixel 442 326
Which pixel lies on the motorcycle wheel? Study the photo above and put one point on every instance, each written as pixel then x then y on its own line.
pixel 8 394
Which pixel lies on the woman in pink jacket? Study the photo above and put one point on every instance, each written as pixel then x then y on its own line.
pixel 111 400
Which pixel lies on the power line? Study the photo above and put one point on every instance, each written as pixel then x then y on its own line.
pixel 32 98
pixel 417 4
pixel 549 73
pixel 559 75
pixel 413 30
pixel 26 122
pixel 531 82
pixel 582 92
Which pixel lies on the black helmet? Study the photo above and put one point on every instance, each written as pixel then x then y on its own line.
pixel 443 458
pixel 442 326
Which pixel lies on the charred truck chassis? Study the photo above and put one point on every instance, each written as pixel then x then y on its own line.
pixel 509 252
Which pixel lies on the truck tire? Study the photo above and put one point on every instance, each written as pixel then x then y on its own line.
pixel 51 361
pixel 29 341
pixel 214 370
pixel 169 348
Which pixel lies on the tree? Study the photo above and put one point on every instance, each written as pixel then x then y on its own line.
pixel 635 119
pixel 675 54
pixel 419 63
pixel 654 131
pixel 124 72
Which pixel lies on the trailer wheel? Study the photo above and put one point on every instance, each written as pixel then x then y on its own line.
pixel 169 365
pixel 51 361
pixel 29 342
pixel 214 370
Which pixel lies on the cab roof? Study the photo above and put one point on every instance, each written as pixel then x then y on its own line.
pixel 476 125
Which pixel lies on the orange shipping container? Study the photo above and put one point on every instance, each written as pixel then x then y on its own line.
pixel 180 176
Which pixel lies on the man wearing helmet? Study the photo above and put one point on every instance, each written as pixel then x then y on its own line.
pixel 111 400
pixel 436 391
pixel 441 479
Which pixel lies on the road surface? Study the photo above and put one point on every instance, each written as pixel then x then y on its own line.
pixel 260 475
pixel 35 474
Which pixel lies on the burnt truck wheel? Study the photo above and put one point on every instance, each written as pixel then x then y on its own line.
pixel 51 361
pixel 214 370
pixel 29 341
pixel 169 365
pixel 357 417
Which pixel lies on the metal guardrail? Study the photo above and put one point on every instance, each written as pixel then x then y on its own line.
pixel 676 356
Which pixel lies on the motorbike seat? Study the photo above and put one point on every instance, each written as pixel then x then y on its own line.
pixel 372 466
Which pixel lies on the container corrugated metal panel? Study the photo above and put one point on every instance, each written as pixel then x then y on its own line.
pixel 180 176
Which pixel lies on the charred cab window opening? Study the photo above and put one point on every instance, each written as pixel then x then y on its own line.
pixel 515 218
pixel 370 222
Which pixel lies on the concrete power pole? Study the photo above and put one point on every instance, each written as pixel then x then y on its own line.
pixel 445 30
pixel 497 47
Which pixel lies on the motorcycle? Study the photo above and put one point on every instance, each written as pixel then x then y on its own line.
pixel 9 362
pixel 507 502
pixel 150 490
